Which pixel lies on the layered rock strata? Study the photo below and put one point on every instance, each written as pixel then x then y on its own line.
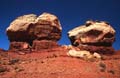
pixel 28 28
pixel 94 36
pixel 43 44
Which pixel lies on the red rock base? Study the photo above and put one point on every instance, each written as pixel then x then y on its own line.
pixel 98 49
pixel 43 44
pixel 19 46
pixel 56 64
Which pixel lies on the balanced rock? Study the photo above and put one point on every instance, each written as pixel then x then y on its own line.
pixel 28 28
pixel 93 36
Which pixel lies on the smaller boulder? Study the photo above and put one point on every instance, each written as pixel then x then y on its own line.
pixel 94 36
pixel 80 54
pixel 94 33
pixel 84 54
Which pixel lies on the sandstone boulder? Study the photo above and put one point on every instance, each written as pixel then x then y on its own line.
pixel 28 28
pixel 93 36
pixel 84 54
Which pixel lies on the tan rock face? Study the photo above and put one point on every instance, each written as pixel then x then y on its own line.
pixel 93 36
pixel 30 27
pixel 50 19
pixel 22 23
pixel 92 33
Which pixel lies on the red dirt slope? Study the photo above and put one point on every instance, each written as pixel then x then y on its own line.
pixel 54 63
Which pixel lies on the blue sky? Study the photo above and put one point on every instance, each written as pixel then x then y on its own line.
pixel 71 13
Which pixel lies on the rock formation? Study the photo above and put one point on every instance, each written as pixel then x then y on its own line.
pixel 31 29
pixel 48 60
pixel 94 36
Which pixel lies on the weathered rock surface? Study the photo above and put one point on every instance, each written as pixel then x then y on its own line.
pixel 94 36
pixel 28 28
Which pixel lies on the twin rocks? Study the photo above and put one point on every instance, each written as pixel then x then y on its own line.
pixel 43 32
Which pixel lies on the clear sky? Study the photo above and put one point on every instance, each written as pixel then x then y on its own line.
pixel 71 13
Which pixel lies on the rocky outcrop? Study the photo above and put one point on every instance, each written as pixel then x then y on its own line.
pixel 94 36
pixel 28 28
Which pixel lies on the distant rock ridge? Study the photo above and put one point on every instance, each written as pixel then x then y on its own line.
pixel 94 36
pixel 27 28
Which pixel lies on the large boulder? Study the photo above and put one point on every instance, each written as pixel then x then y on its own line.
pixel 28 28
pixel 93 36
